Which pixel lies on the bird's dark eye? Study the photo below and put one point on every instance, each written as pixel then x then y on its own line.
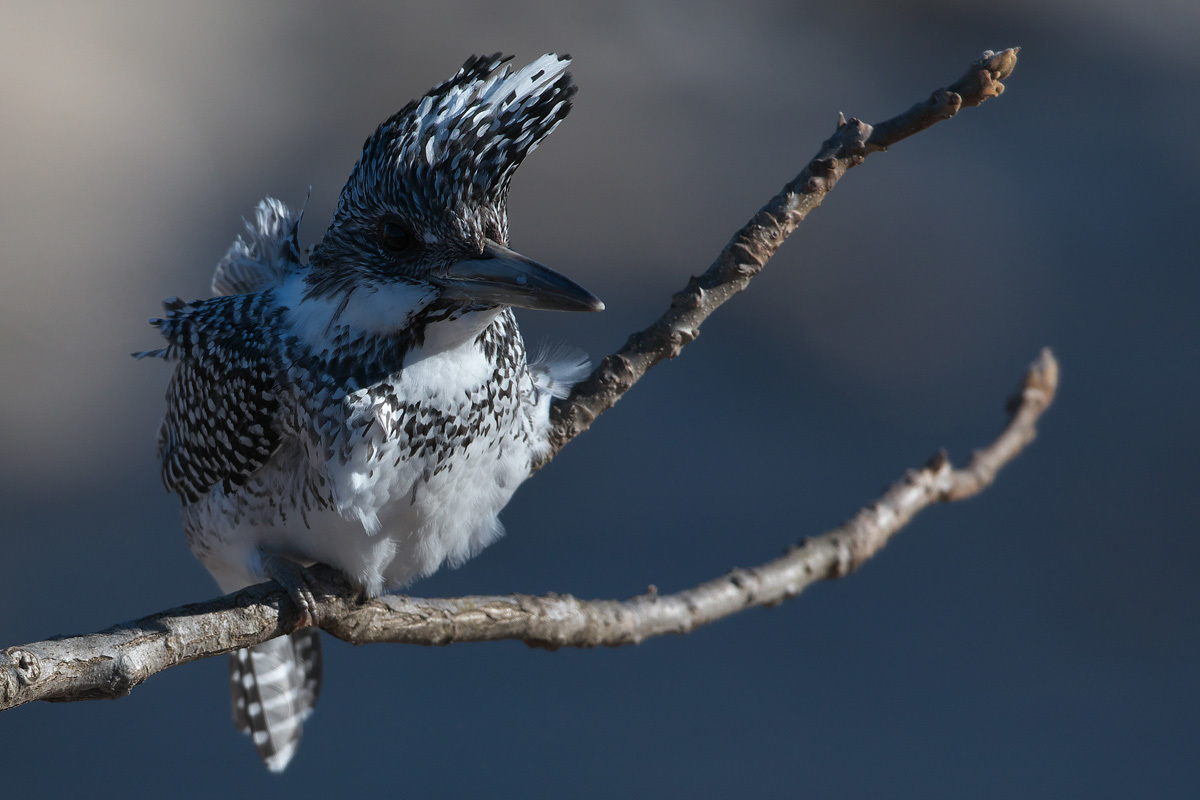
pixel 393 235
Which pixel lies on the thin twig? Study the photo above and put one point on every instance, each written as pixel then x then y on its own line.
pixel 751 247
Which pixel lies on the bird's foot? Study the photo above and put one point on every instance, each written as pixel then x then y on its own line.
pixel 291 576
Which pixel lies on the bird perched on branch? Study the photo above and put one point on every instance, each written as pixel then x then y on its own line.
pixel 375 408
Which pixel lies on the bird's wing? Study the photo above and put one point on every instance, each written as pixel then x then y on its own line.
pixel 222 421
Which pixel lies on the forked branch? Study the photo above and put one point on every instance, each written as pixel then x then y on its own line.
pixel 110 663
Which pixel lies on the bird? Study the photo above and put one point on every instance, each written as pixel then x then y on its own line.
pixel 375 408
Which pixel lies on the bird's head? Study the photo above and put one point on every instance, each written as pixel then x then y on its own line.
pixel 427 200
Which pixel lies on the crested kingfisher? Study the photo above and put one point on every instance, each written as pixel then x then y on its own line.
pixel 375 408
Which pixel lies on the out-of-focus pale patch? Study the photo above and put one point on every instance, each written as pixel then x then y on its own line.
pixel 108 141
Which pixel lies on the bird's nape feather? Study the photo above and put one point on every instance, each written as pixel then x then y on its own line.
pixel 268 254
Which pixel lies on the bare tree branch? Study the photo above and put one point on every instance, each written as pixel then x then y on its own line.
pixel 110 663
pixel 751 247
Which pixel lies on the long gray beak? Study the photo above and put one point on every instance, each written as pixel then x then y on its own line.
pixel 499 276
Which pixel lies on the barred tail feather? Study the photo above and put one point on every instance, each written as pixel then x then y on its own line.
pixel 275 687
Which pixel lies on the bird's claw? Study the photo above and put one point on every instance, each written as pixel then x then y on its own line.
pixel 292 577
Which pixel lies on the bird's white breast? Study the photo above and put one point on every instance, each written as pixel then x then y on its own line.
pixel 388 481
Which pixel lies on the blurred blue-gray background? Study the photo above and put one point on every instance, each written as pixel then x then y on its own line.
pixel 1041 640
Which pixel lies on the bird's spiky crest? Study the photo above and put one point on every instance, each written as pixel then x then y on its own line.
pixel 447 158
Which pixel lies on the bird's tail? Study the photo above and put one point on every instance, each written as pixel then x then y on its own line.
pixel 275 686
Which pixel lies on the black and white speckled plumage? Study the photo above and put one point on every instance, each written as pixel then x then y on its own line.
pixel 443 163
pixel 363 410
